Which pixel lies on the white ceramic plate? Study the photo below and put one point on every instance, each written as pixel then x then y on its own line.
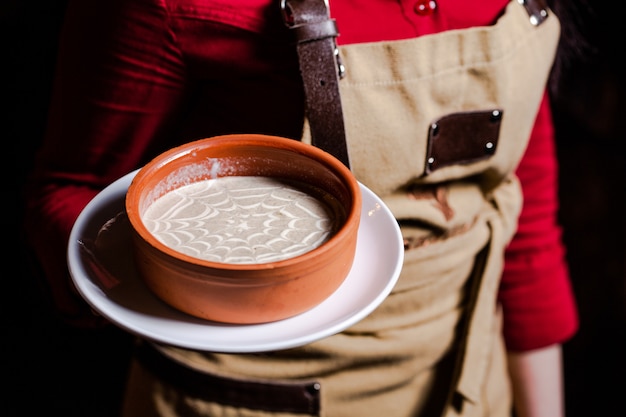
pixel 130 304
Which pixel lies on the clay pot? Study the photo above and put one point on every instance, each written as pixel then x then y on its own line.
pixel 246 293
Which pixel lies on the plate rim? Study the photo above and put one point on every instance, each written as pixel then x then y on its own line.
pixel 79 272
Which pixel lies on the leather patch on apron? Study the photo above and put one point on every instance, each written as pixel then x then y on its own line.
pixel 462 138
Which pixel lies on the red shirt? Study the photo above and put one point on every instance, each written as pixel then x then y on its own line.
pixel 136 77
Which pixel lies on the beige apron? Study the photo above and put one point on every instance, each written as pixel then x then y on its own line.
pixel 434 346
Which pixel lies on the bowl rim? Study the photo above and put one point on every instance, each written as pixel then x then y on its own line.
pixel 328 160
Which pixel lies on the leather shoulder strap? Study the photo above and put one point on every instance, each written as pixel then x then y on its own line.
pixel 315 33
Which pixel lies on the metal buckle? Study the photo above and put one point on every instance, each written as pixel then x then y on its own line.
pixel 289 21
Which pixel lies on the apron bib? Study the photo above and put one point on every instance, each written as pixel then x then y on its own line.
pixel 433 347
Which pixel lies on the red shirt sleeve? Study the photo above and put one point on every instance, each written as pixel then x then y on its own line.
pixel 535 292
pixel 112 100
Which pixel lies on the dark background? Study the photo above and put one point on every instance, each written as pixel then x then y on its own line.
pixel 52 369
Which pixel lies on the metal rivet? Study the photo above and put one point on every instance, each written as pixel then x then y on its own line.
pixel 431 160
pixel 489 147
pixel 341 69
pixel 434 128
pixel 315 387
pixel 496 115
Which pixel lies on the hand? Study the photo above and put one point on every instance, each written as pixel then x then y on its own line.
pixel 102 257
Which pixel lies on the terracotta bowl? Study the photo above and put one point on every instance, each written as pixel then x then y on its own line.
pixel 257 291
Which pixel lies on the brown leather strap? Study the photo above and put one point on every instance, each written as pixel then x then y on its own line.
pixel 315 34
pixel 297 397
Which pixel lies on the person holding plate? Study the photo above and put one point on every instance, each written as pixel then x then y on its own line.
pixel 440 107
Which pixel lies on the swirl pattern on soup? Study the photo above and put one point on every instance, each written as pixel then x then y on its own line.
pixel 242 219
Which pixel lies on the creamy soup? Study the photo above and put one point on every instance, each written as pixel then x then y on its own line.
pixel 242 220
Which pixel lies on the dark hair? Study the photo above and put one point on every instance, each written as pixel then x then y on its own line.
pixel 576 44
